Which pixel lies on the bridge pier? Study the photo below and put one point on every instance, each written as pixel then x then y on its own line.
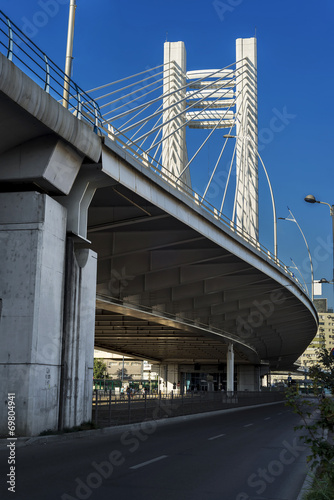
pixel 44 331
pixel 230 369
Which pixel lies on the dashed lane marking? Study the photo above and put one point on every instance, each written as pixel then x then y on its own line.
pixel 148 462
pixel 216 437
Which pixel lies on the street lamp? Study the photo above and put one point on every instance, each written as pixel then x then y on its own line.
pixel 297 268
pixel 311 199
pixel 229 136
pixel 69 53
pixel 293 219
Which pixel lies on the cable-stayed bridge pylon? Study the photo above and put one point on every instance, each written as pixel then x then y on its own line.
pixel 168 117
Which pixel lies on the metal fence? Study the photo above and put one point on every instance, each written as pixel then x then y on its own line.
pixel 17 47
pixel 111 409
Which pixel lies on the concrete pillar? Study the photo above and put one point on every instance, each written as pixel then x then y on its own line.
pixel 230 369
pixel 46 316
pixel 78 338
pixel 247 213
pixel 248 378
pixel 32 256
pixel 172 377
pixel 174 150
pixel 168 376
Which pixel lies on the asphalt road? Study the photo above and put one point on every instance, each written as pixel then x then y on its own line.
pixel 241 455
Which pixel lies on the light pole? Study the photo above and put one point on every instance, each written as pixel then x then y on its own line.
pixel 69 52
pixel 229 136
pixel 293 219
pixel 311 199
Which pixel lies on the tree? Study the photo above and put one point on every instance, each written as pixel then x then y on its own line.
pixel 125 374
pixel 100 368
pixel 317 415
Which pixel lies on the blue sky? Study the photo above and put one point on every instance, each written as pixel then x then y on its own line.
pixel 295 80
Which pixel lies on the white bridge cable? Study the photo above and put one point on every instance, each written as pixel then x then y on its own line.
pixel 240 138
pixel 228 177
pixel 223 85
pixel 257 154
pixel 186 121
pixel 220 84
pixel 124 79
pixel 134 92
pixel 119 99
pixel 237 183
pixel 205 141
pixel 137 114
pixel 158 110
pixel 165 95
pixel 217 163
pixel 155 126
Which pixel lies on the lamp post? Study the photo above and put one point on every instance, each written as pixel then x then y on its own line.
pixel 69 52
pixel 311 199
pixel 293 219
pixel 229 136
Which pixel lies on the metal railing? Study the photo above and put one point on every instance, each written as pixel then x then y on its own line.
pixel 110 409
pixel 18 48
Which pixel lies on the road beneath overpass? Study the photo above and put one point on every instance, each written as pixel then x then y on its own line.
pixel 241 455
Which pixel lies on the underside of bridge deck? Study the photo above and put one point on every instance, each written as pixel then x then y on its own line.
pixel 167 292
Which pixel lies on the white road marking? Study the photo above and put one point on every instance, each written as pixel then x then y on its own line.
pixel 216 437
pixel 148 462
pixel 268 418
pixel 248 425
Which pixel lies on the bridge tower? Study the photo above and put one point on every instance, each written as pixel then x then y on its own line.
pixel 247 212
pixel 222 99
pixel 174 149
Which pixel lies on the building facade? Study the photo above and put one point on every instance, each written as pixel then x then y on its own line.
pixel 324 337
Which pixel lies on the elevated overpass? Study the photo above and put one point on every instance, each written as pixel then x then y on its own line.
pixel 99 247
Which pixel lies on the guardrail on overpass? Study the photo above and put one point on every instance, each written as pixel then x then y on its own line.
pixel 41 69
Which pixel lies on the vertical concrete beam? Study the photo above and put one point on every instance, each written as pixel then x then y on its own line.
pixel 247 213
pixel 78 339
pixel 32 256
pixel 230 369
pixel 248 378
pixel 174 150
pixel 172 377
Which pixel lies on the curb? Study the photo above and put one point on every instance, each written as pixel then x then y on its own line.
pixel 310 476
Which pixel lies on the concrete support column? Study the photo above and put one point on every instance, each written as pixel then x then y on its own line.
pixel 248 378
pixel 32 256
pixel 230 369
pixel 47 306
pixel 168 376
pixel 172 374
pixel 247 212
pixel 78 336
